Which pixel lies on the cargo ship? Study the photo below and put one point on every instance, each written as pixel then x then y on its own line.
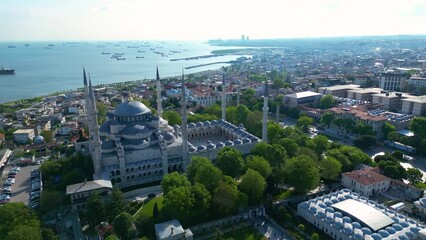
pixel 4 70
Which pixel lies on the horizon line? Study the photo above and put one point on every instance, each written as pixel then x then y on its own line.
pixel 223 39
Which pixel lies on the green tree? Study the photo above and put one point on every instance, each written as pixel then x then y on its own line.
pixel 178 203
pixel 123 225
pixel 315 236
pixel 49 234
pixel 275 154
pixel 102 109
pixel 278 83
pixel 304 121
pixel 210 176
pixel 51 200
pixel 174 180
pixel 117 204
pixel 24 232
pixel 155 211
pixel 260 165
pixel 327 101
pixel 95 210
pixel 321 144
pixel 302 173
pixel 398 155
pixel 414 175
pixel 241 114
pixel 197 163
pixel 47 135
pixel 214 110
pixel 173 117
pixel 274 132
pixel 365 142
pixel 230 161
pixel 290 146
pixel 363 129
pixel 418 126
pixel 112 237
pixel 202 200
pixel 17 221
pixel 387 128
pixel 225 199
pixel 393 169
pixel 293 113
pixel 327 118
pixel 330 168
pixel 252 184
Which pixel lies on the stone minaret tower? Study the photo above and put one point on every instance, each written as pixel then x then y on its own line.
pixel 185 155
pixel 159 102
pixel 238 94
pixel 95 140
pixel 265 114
pixel 223 98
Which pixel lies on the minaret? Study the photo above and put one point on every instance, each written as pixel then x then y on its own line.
pixel 159 102
pixel 238 94
pixel 86 93
pixel 184 128
pixel 94 133
pixel 223 99
pixel 265 114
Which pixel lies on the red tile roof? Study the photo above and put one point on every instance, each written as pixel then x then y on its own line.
pixel 366 177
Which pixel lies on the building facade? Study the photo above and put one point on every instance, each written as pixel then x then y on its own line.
pixel 393 80
pixel 366 182
pixel 134 146
pixel 23 135
pixel 301 99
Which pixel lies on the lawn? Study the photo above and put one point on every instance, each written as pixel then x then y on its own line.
pixel 244 233
pixel 148 207
pixel 421 185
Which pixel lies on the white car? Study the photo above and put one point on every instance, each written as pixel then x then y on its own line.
pixel 11 180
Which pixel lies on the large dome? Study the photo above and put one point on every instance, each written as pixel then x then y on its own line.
pixel 133 108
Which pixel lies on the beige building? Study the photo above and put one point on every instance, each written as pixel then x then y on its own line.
pixel 366 182
pixel 363 94
pixel 338 90
pixel 414 105
pixel 390 101
pixel 359 114
pixel 23 135
pixel 302 98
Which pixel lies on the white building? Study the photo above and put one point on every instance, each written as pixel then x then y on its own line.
pixel 344 215
pixel 420 207
pixel 338 90
pixel 301 98
pixel 366 182
pixel 172 230
pixel 23 135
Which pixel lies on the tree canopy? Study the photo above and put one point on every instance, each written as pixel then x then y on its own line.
pixel 414 175
pixel 259 164
pixel 230 161
pixel 18 222
pixel 330 168
pixel 327 101
pixel 123 225
pixel 173 180
pixel 302 173
pixel 173 117
pixel 253 184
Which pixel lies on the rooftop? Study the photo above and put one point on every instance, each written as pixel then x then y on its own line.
pixel 364 213
pixel 366 177
pixel 170 228
pixel 88 186
pixel 340 87
pixel 304 94
pixel 23 131
pixel 132 108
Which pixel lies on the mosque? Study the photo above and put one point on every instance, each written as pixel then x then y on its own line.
pixel 134 146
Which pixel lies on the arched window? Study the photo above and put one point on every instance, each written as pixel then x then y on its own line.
pixel 112 173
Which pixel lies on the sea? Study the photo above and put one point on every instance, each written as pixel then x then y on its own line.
pixel 42 68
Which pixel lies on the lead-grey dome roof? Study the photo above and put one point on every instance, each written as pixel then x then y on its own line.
pixel 129 109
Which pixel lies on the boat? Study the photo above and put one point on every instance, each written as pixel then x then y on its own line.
pixel 121 58
pixel 105 53
pixel 4 70
pixel 139 56
pixel 11 46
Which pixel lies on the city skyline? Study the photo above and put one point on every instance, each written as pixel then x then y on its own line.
pixel 195 20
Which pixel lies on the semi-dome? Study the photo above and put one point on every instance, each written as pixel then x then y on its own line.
pixel 199 124
pixel 397 226
pixel 168 136
pixel 136 129
pixel 191 125
pixel 129 109
pixel 376 236
pixel 356 225
pixel 384 233
pixel 321 214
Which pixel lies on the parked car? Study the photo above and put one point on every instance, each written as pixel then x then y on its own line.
pixel 12 180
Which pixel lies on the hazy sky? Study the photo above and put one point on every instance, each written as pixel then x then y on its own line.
pixel 27 20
